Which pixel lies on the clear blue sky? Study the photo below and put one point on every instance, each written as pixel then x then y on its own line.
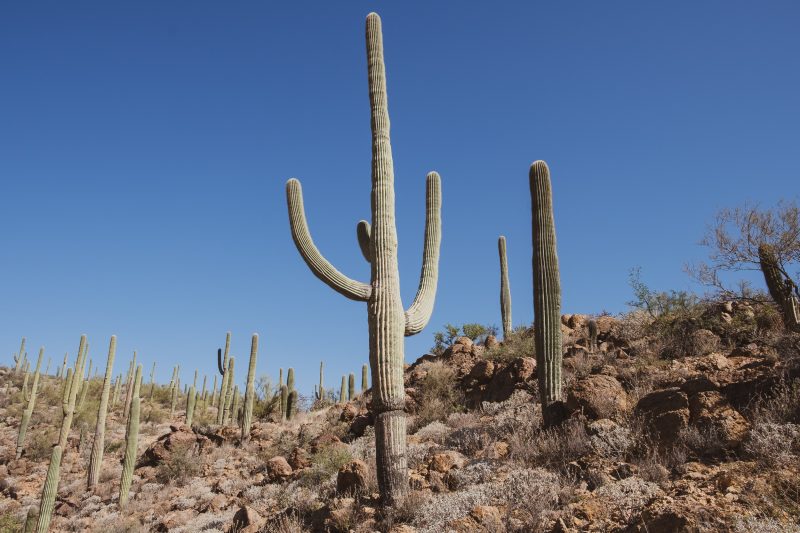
pixel 144 150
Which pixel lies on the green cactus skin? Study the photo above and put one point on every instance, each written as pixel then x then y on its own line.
pixel 131 441
pixel 250 390
pixel 505 289
pixel 233 416
pixel 191 400
pixel 343 391
pixel 152 381
pixel 321 390
pixel 592 327
pixel 82 437
pixel 129 389
pixel 280 377
pixel 290 379
pixel 48 500
pixel 203 391
pixel 351 386
pixel 230 375
pixel 222 366
pixel 115 396
pixel 291 405
pixel 47 369
pixel 84 391
pixel 63 373
pixel 214 392
pixel 70 393
pixel 780 287
pixel 26 415
pixel 388 322
pixel 30 521
pixel 364 378
pixel 284 401
pixel 96 460
pixel 546 295
pixel 24 390
pixel 18 359
pixel 174 398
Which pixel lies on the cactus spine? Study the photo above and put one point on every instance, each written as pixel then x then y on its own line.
pixel 505 289
pixel 291 405
pixel 191 400
pixel 96 461
pixel 50 488
pixel 131 441
pixel 546 294
pixel 26 415
pixel 781 287
pixel 18 359
pixel 388 322
pixel 250 391
pixel 222 364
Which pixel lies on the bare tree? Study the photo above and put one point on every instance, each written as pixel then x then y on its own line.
pixel 738 239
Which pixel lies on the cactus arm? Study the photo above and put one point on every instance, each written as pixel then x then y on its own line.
pixel 419 313
pixel 321 267
pixel 546 292
pixel 364 234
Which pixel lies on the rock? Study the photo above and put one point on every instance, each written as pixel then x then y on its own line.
pixel 352 477
pixel 482 372
pixel 666 411
pixel 491 342
pixel 487 516
pixel 177 519
pixel 299 459
pixel 349 412
pixel 704 342
pixel 513 376
pixel 576 350
pixel 710 410
pixel 462 344
pixel 444 461
pixel 577 321
pixel 181 439
pixel 246 520
pixel 608 438
pixel 360 424
pixel 278 469
pixel 597 396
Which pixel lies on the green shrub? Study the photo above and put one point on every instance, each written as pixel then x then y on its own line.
pixel 439 395
pixel 444 339
pixel 520 343
pixel 10 523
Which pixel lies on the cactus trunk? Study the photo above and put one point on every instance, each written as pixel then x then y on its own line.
pixel 229 375
pixel 546 295
pixel 364 379
pixel 70 394
pixel 48 500
pixel 291 405
pixel 250 391
pixel 284 400
pixel 131 441
pixel 20 357
pixel 780 287
pixel 505 289
pixel 191 400
pixel 222 364
pixel 26 415
pixel 96 461
pixel 351 386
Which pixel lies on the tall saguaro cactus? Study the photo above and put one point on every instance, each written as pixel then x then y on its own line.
pixel 19 357
pixel 781 287
pixel 50 489
pixel 250 390
pixel 546 294
pixel 131 441
pixel 191 400
pixel 26 415
pixel 222 364
pixel 388 322
pixel 505 289
pixel 96 461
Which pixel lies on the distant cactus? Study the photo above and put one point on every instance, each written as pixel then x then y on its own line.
pixel 82 437
pixel 130 386
pixel 63 373
pixel 84 391
pixel 280 378
pixel 174 396
pixel 781 287
pixel 47 370
pixel 131 441
pixel 343 391
pixel 284 401
pixel 290 379
pixel 26 415
pixel 250 391
pixel 214 392
pixel 321 390
pixel 19 358
pixel 71 392
pixel 592 326
pixel 364 378
pixel 222 365
pixel 291 405
pixel 546 295
pixel 191 400
pixel 230 377
pixel 233 416
pixel 351 386
pixel 30 521
pixel 152 381
pixel 505 289
pixel 96 461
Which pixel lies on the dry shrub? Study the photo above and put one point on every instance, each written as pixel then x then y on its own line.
pixel 40 443
pixel 325 464
pixel 439 394
pixel 288 523
pixel 555 447
pixel 181 465
pixel 519 343
pixel 154 414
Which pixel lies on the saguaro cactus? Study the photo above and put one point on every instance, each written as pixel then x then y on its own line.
pixel 321 390
pixel 26 415
pixel 388 322
pixel 290 379
pixel 96 461
pixel 505 289
pixel 222 365
pixel 50 489
pixel 250 390
pixel 117 386
pixel 343 391
pixel 131 441
pixel 152 380
pixel 284 401
pixel 781 287
pixel 70 394
pixel 351 386
pixel 191 400
pixel 18 359
pixel 364 379
pixel 63 373
pixel 291 405
pixel 131 385
pixel 230 376
pixel 546 295
pixel 214 392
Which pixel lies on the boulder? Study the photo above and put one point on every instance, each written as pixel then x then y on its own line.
pixel 444 461
pixel 597 396
pixel 352 477
pixel 710 410
pixel 511 377
pixel 278 469
pixel 666 411
pixel 247 520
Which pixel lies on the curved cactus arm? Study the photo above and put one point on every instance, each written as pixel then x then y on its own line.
pixel 321 267
pixel 364 234
pixel 419 313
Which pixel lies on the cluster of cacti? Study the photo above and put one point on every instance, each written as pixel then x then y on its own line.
pixel 250 391
pixel 388 322
pixel 96 461
pixel 546 295
pixel 31 399
pixel 505 289
pixel 781 287
pixel 131 441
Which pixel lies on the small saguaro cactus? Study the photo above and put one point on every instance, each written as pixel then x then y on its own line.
pixel 291 405
pixel 18 359
pixel 230 377
pixel 71 392
pixel 233 416
pixel 351 386
pixel 343 390
pixel 131 441
pixel 191 400
pixel 152 381
pixel 47 369
pixel 290 379
pixel 284 401
pixel 63 373
pixel 546 295
pixel 364 379
pixel 130 385
pixel 222 366
pixel 592 327
pixel 250 390
pixel 214 392
pixel 388 322
pixel 31 399
pixel 781 287
pixel 321 390
pixel 505 289
pixel 96 461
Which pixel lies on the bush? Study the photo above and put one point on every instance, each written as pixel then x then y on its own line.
pixel 10 523
pixel 439 394
pixel 325 464
pixel 39 445
pixel 520 343
pixel 444 339
pixel 179 467
pixel 555 447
